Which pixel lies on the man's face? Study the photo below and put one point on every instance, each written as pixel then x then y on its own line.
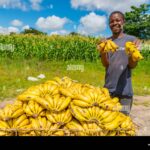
pixel 116 23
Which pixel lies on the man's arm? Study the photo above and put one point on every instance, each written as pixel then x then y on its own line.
pixel 104 59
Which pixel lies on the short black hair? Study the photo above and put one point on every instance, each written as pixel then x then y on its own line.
pixel 117 12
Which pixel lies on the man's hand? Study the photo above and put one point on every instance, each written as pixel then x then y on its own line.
pixel 137 43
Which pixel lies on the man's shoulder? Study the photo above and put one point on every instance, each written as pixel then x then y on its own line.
pixel 130 37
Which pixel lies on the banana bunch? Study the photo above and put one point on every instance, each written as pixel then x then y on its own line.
pixel 75 128
pixel 57 103
pixel 127 124
pixel 33 90
pixel 4 126
pixel 59 118
pixel 131 49
pixel 91 114
pixel 114 124
pixel 112 104
pixel 6 113
pixel 108 46
pixel 41 126
pixel 65 82
pixel 20 122
pixel 50 89
pixel 84 129
pixel 11 111
pixel 95 97
pixel 25 98
pixel 121 133
pixel 77 88
pixel 20 125
pixel 32 108
pixel 108 117
pixel 92 129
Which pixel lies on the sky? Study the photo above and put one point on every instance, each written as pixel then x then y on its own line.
pixel 87 17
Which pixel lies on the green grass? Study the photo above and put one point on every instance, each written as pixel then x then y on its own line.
pixel 14 73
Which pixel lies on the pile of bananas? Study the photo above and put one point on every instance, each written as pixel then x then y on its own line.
pixel 108 46
pixel 65 107
pixel 133 51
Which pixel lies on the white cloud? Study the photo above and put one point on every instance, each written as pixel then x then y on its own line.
pixel 16 23
pixel 59 32
pixel 35 4
pixel 26 5
pixel 6 4
pixel 92 24
pixel 107 5
pixel 50 6
pixel 8 30
pixel 51 22
pixel 25 27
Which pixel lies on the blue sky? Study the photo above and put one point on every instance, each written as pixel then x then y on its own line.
pixel 89 17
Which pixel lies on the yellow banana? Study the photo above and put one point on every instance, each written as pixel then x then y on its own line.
pixel 24 123
pixel 66 92
pixel 106 114
pixel 17 121
pixel 115 99
pixel 4 124
pixel 110 118
pixel 136 56
pixel 50 117
pixel 80 103
pixel 18 113
pixel 102 46
pixel 76 113
pixel 26 97
pixel 65 104
pixel 42 102
pixel 113 45
pixel 42 113
pixel 58 80
pixel 28 111
pixel 115 123
pixel 59 133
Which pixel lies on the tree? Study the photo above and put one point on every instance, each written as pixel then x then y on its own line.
pixel 74 33
pixel 138 21
pixel 33 31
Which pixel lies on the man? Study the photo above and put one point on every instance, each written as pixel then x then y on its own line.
pixel 118 65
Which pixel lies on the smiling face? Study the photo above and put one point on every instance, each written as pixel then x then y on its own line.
pixel 116 23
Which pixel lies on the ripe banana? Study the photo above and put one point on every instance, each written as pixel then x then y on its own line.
pixel 131 49
pixel 108 46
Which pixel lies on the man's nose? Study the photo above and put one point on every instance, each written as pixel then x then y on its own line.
pixel 115 22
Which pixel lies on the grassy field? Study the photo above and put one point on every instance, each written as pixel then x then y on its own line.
pixel 14 74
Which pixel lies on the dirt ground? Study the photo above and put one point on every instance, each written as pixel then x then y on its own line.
pixel 140 113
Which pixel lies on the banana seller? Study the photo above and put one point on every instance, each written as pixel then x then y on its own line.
pixel 118 64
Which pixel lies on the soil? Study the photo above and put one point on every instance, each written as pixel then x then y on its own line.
pixel 140 113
